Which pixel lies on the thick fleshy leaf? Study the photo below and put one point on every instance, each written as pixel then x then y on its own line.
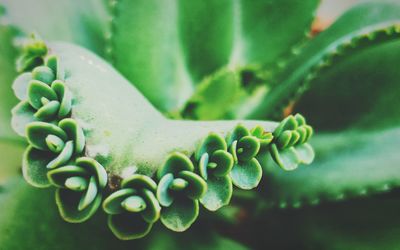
pixel 20 85
pixel 175 163
pixel 210 144
pixel 34 167
pixel 238 132
pixel 207 103
pixel 74 132
pixel 289 123
pixel 138 182
pixel 305 153
pixel 95 168
pixel 180 215
pixel 206 19
pixel 152 212
pixel 219 192
pixel 37 132
pixel 156 49
pixel 224 161
pixel 128 226
pixel 38 90
pixel 197 186
pixel 58 176
pixel 247 148
pixel 53 62
pixel 288 159
pixel 22 114
pixel 358 29
pixel 48 111
pixel 68 202
pixel 43 74
pixel 65 96
pixel 264 35
pixel 265 138
pixel 63 157
pixel 164 195
pixel 112 204
pixel 203 165
pixel 89 195
pixel 246 175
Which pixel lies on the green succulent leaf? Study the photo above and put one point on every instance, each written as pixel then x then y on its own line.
pixel 196 185
pixel 20 85
pixel 68 203
pixel 305 153
pixel 224 163
pixel 219 192
pixel 264 35
pixel 22 115
pixel 211 143
pixel 59 176
pixel 247 148
pixel 175 163
pixel 164 195
pixel 180 215
pixel 360 28
pixel 128 226
pixel 38 90
pixel 152 212
pixel 63 157
pixel 288 159
pixel 246 175
pixel 37 132
pixel 265 138
pixel 138 181
pixel 34 167
pixel 207 103
pixel 206 19
pixel 112 204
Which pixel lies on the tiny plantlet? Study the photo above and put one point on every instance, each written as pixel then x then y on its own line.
pixel 215 124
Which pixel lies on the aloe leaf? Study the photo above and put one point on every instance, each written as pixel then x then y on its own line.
pixel 263 33
pixel 180 215
pixel 373 80
pixel 153 58
pixel 82 22
pixel 212 20
pixel 361 27
pixel 219 192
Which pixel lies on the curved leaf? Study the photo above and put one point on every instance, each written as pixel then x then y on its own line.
pixel 34 167
pixel 219 193
pixel 247 175
pixel 359 28
pixel 128 226
pixel 180 215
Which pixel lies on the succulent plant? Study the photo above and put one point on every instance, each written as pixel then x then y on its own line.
pixel 159 110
